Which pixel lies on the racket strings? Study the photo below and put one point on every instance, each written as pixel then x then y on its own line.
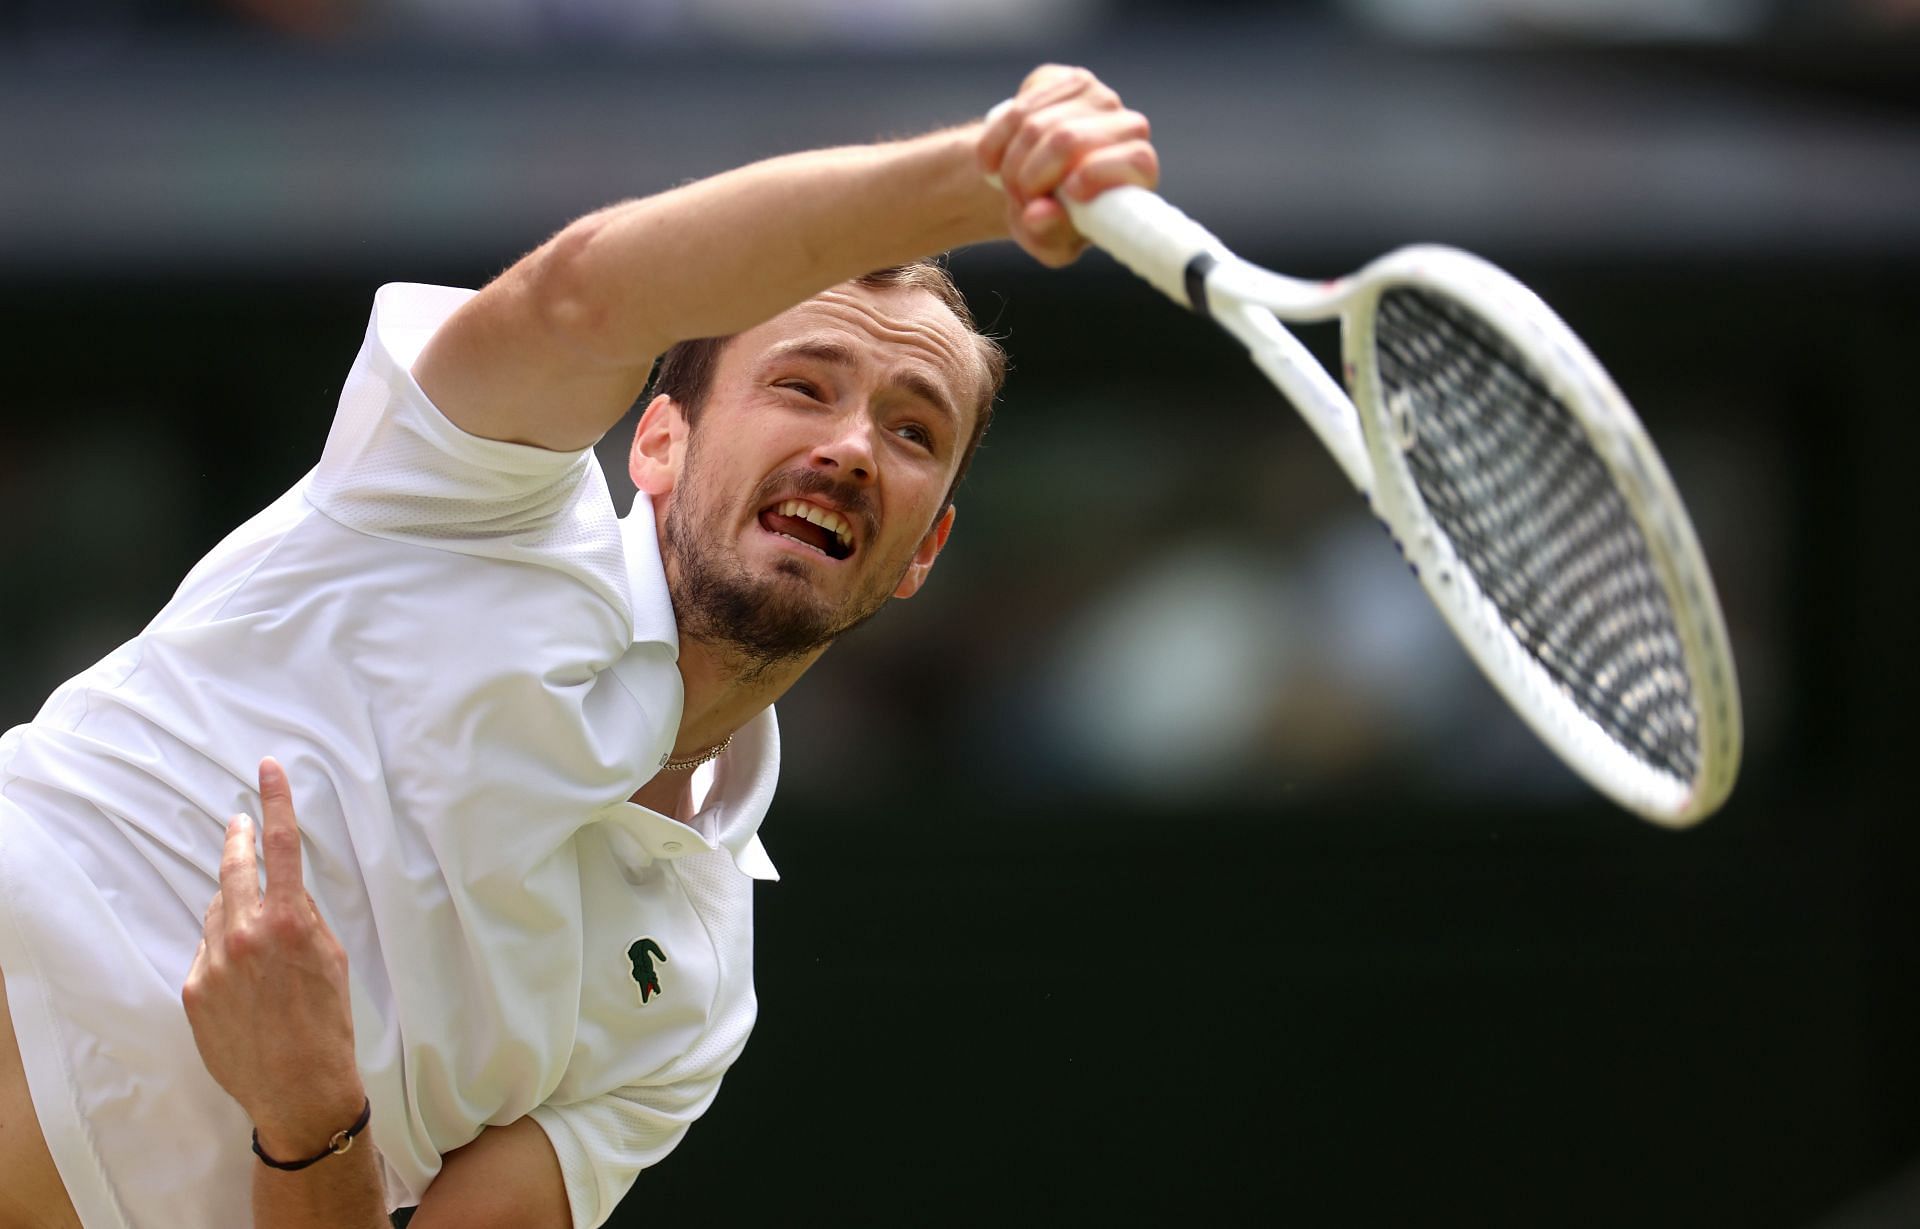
pixel 1509 476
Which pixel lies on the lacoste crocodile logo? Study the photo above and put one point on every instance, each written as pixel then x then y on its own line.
pixel 641 956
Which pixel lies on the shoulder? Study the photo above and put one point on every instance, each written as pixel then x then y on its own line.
pixel 406 315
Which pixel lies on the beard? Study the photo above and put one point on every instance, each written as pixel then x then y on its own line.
pixel 764 619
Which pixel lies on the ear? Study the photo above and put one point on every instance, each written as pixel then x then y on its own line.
pixel 930 547
pixel 659 447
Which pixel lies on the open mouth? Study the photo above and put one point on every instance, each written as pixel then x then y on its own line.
pixel 810 525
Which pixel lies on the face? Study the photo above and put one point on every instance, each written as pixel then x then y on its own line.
pixel 812 488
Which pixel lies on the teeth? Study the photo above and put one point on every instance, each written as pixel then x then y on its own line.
pixel 832 522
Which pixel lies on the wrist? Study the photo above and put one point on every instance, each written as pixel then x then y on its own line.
pixel 297 1135
pixel 971 209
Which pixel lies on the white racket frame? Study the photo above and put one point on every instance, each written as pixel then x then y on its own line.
pixel 1154 239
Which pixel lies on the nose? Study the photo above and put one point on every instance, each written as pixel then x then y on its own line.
pixel 849 454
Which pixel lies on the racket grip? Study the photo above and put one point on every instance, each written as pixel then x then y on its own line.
pixel 1142 231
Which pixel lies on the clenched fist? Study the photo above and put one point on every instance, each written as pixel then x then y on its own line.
pixel 1064 133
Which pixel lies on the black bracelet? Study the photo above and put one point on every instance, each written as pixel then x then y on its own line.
pixel 341 1142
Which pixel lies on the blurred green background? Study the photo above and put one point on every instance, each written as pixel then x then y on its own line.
pixel 1165 860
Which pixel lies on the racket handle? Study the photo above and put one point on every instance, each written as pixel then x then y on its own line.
pixel 1142 231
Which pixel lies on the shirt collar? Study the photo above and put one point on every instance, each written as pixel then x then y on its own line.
pixel 750 767
pixel 653 619
pixel 748 772
pixel 739 801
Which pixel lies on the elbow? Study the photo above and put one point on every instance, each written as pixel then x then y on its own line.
pixel 572 305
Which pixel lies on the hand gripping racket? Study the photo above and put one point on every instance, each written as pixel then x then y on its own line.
pixel 1515 478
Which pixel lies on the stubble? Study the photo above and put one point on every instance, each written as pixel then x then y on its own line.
pixel 768 619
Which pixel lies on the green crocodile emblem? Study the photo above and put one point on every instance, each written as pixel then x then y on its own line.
pixel 641 955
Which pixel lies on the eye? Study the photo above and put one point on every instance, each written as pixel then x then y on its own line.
pixel 917 433
pixel 806 388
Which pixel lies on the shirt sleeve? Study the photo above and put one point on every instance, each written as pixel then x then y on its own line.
pixel 396 467
pixel 604 1142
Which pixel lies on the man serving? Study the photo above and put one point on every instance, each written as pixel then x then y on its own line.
pixel 532 742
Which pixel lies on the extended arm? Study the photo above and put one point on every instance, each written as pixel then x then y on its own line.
pixel 556 349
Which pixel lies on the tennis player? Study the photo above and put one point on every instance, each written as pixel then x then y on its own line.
pixel 502 955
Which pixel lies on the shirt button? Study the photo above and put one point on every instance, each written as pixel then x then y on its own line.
pixel 671 846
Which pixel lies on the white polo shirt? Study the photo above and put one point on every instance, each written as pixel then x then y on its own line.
pixel 467 665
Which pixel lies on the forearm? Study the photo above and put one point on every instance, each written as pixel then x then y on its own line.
pixel 341 1192
pixel 555 350
pixel 719 256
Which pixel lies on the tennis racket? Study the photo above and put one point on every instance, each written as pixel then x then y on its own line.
pixel 1515 479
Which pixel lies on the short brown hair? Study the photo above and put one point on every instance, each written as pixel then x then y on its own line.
pixel 686 369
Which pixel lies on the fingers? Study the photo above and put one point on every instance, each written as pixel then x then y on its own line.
pixel 1055 145
pixel 1065 134
pixel 1052 94
pixel 1056 77
pixel 1129 163
pixel 1045 86
pixel 212 935
pixel 210 930
pixel 239 871
pixel 239 883
pixel 250 945
pixel 279 838
pixel 1046 231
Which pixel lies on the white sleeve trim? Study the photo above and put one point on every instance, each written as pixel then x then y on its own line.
pixel 406 315
pixel 395 466
pixel 603 1143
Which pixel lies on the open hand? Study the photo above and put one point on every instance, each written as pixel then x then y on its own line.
pixel 1066 133
pixel 267 994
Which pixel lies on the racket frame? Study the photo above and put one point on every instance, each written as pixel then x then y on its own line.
pixel 1194 268
pixel 1578 382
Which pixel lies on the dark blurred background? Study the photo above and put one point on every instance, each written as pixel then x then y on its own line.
pixel 1166 860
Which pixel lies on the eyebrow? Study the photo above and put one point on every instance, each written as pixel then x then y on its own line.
pixel 837 355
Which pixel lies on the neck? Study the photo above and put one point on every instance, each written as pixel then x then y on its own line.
pixel 722 691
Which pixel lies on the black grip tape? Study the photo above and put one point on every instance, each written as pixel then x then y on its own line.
pixel 1196 276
